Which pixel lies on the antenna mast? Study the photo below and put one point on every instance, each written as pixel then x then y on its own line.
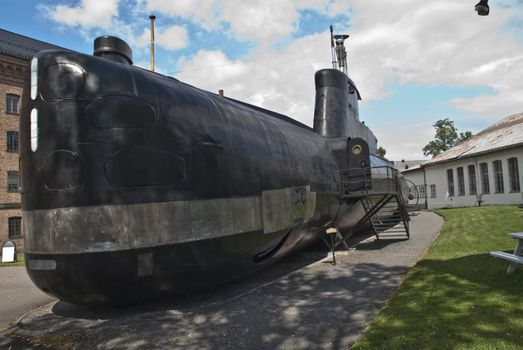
pixel 333 51
pixel 341 52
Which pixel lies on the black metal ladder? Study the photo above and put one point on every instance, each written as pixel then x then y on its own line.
pixel 387 214
pixel 383 202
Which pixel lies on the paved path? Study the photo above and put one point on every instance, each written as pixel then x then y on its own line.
pixel 19 295
pixel 315 306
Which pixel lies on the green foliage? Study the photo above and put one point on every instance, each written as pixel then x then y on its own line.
pixel 464 136
pixel 381 151
pixel 446 137
pixel 457 296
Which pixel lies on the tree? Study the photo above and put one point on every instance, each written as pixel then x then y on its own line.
pixel 446 137
pixel 381 151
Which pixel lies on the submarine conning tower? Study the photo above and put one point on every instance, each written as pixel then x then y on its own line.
pixel 336 114
pixel 336 108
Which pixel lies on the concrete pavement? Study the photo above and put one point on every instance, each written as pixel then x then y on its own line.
pixel 19 295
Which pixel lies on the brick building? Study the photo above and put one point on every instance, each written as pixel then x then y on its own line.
pixel 15 53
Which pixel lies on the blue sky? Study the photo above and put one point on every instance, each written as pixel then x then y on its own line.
pixel 414 61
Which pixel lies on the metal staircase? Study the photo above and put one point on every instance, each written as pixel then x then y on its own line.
pixel 381 198
pixel 391 218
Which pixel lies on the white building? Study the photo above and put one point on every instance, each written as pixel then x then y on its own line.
pixel 483 170
pixel 407 164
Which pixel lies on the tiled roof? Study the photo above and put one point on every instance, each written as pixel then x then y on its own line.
pixel 504 134
pixel 20 46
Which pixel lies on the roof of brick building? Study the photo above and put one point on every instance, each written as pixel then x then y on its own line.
pixel 20 46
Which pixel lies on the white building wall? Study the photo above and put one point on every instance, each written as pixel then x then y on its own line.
pixel 437 175
pixel 415 176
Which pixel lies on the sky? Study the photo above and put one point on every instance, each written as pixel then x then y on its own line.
pixel 413 61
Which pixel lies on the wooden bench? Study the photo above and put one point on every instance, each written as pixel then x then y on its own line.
pixel 515 258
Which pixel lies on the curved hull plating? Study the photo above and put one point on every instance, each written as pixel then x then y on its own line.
pixel 136 185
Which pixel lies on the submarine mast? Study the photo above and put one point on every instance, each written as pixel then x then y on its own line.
pixel 336 114
pixel 341 52
pixel 337 98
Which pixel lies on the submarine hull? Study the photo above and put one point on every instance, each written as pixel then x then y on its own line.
pixel 136 185
pixel 125 277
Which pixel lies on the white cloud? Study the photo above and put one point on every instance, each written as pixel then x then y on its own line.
pixel 90 13
pixel 170 38
pixel 440 43
pixel 203 12
pixel 263 22
pixel 173 38
pixel 404 141
pixel 427 43
pixel 283 81
pixel 443 43
pixel 200 70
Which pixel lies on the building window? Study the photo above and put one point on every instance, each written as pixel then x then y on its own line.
pixel 461 182
pixel 483 172
pixel 15 227
pixel 11 104
pixel 421 191
pixel 513 174
pixel 450 181
pixel 13 181
pixel 472 180
pixel 498 176
pixel 12 141
pixel 432 191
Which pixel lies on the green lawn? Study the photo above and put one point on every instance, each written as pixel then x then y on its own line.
pixel 19 262
pixel 457 296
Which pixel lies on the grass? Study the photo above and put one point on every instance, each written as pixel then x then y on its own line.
pixel 56 342
pixel 19 262
pixel 457 296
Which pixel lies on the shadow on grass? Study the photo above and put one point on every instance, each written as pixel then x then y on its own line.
pixel 466 302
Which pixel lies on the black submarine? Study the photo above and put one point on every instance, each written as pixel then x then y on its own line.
pixel 135 184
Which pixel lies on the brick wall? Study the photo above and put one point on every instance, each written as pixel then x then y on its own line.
pixel 5 214
pixel 9 201
pixel 8 160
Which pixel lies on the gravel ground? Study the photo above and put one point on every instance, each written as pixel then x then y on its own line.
pixel 303 302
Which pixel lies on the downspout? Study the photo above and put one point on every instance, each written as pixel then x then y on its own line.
pixel 426 192
pixel 479 193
